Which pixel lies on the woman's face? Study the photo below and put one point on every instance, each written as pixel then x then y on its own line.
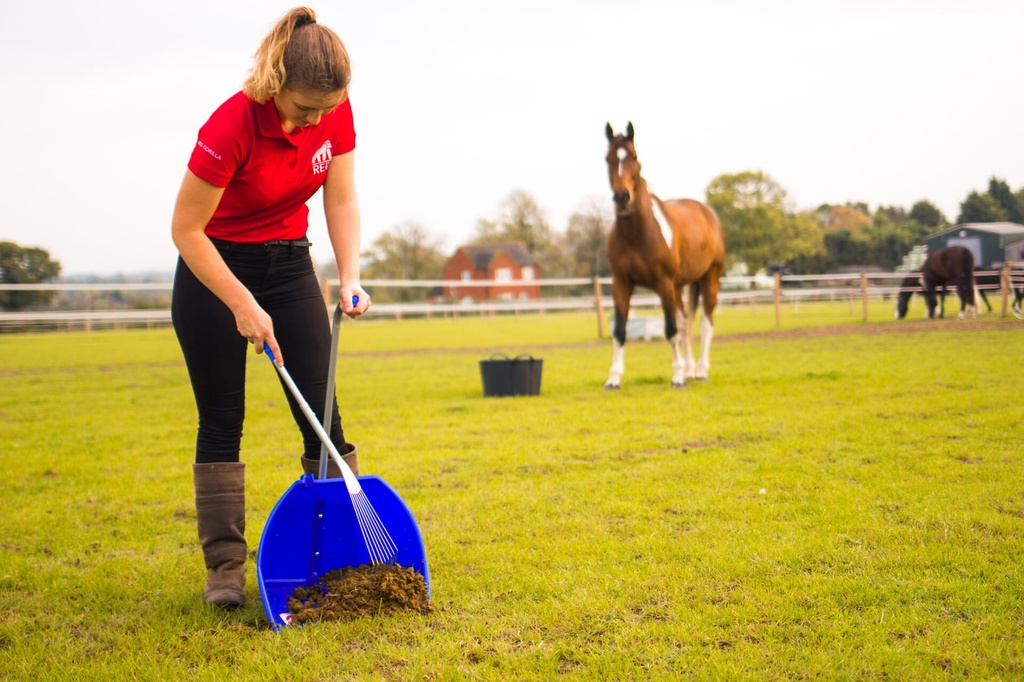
pixel 299 109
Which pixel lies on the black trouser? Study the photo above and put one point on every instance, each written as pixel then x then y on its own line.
pixel 282 279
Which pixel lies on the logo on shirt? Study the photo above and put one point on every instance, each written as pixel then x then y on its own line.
pixel 322 158
pixel 206 149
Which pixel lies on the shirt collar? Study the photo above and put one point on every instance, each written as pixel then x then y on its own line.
pixel 270 121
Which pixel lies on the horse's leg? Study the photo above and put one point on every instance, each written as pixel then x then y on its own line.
pixel 675 321
pixel 709 295
pixel 965 291
pixel 978 296
pixel 975 296
pixel 929 300
pixel 688 303
pixel 621 293
pixel 981 293
pixel 682 355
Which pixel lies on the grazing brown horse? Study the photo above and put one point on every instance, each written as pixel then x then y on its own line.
pixel 665 246
pixel 953 265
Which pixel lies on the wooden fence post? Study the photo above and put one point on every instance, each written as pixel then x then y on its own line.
pixel 778 300
pixel 600 307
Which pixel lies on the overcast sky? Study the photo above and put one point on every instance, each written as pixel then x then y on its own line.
pixel 458 103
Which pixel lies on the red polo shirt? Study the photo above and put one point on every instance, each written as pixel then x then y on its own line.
pixel 267 176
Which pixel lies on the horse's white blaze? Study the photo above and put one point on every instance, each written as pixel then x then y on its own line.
pixel 659 217
pixel 621 154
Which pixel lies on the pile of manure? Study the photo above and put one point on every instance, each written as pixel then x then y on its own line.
pixel 357 591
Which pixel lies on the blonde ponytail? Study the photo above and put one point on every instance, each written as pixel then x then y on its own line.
pixel 298 54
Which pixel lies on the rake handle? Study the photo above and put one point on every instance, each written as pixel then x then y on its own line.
pixel 329 394
pixel 346 472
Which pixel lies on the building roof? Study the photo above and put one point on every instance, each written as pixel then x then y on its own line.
pixel 482 254
pixel 1002 229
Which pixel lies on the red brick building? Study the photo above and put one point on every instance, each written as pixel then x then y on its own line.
pixel 495 262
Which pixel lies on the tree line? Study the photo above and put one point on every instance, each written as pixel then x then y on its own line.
pixel 762 229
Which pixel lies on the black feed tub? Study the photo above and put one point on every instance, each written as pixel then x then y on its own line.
pixel 504 376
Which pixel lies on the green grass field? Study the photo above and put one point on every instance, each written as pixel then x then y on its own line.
pixel 830 505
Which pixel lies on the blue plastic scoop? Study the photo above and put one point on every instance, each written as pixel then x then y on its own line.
pixel 322 524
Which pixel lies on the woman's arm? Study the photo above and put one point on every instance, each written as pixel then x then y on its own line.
pixel 341 209
pixel 197 200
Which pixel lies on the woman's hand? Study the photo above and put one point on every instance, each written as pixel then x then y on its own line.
pixel 354 300
pixel 255 325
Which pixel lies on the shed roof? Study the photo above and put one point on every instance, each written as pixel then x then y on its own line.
pixel 1002 229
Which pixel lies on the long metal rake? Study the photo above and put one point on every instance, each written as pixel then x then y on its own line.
pixel 379 543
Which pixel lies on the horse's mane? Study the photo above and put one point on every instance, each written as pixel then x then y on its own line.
pixel 642 192
pixel 644 212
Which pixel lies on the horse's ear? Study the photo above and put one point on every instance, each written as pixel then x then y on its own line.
pixel 629 131
pixel 608 132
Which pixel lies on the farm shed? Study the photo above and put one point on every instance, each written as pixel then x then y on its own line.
pixel 992 244
pixel 495 262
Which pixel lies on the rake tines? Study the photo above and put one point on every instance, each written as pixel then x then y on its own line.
pixel 378 541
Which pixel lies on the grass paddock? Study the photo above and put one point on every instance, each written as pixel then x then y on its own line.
pixel 834 503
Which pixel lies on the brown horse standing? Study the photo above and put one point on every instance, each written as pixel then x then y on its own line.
pixel 665 246
pixel 953 265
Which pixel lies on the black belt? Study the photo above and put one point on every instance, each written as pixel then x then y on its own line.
pixel 289 242
pixel 301 243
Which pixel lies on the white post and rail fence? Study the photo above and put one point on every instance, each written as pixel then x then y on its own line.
pixel 79 306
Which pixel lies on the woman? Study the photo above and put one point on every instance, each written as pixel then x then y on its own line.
pixel 245 274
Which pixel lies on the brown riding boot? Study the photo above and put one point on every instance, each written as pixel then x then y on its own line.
pixel 220 518
pixel 312 466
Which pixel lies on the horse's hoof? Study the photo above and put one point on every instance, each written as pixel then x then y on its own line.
pixel 611 387
pixel 676 384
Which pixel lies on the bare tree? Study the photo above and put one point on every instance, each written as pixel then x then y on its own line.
pixel 521 220
pixel 406 251
pixel 586 239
